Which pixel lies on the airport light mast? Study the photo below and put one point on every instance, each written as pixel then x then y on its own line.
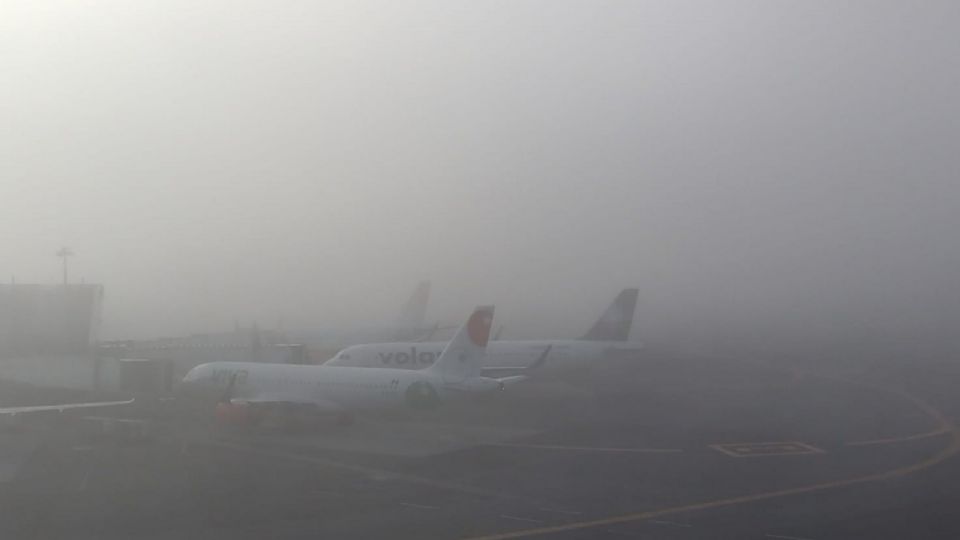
pixel 64 254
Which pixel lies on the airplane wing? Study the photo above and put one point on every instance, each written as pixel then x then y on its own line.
pixel 278 399
pixel 507 381
pixel 525 371
pixel 63 407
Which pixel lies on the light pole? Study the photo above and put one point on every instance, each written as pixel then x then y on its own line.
pixel 64 254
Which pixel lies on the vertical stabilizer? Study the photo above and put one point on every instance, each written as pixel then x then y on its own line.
pixel 615 323
pixel 414 313
pixel 463 357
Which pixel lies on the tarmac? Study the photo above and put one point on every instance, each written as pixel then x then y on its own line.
pixel 662 446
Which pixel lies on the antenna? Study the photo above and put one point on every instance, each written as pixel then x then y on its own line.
pixel 64 253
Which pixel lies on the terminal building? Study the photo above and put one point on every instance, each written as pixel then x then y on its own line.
pixel 156 365
pixel 50 337
pixel 48 334
pixel 49 319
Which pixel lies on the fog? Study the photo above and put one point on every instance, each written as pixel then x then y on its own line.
pixel 760 170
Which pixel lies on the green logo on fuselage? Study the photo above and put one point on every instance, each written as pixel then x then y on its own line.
pixel 422 395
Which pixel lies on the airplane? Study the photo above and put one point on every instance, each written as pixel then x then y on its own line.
pixel 609 335
pixel 250 391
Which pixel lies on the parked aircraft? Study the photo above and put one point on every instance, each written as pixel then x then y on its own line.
pixel 608 335
pixel 250 391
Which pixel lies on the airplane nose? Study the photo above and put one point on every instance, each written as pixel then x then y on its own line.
pixel 192 376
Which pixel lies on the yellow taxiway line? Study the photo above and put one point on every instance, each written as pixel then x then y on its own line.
pixel 588 448
pixel 946 453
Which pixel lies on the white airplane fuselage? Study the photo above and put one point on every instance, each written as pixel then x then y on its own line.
pixel 335 388
pixel 609 335
pixel 564 355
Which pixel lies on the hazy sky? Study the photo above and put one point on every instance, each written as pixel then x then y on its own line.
pixel 738 161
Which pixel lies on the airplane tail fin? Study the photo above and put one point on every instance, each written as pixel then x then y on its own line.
pixel 462 358
pixel 414 312
pixel 615 323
